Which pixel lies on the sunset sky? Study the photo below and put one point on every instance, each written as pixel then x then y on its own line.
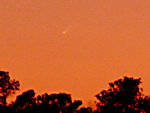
pixel 74 46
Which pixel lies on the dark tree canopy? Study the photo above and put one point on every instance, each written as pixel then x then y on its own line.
pixel 85 110
pixel 123 95
pixel 57 103
pixel 53 103
pixel 25 101
pixel 7 87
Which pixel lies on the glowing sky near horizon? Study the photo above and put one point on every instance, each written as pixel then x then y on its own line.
pixel 75 46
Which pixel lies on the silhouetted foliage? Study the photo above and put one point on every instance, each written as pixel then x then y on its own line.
pixel 85 110
pixel 57 103
pixel 25 102
pixel 53 103
pixel 123 95
pixel 7 87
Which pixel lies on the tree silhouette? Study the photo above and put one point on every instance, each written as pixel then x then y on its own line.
pixel 7 87
pixel 123 95
pixel 25 102
pixel 85 110
pixel 57 103
pixel 53 103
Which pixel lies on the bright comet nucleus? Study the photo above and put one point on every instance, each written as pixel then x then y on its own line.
pixel 65 32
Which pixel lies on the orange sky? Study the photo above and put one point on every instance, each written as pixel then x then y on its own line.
pixel 74 46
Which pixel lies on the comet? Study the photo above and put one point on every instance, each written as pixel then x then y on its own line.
pixel 65 32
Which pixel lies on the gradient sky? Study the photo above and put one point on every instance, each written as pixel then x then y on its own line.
pixel 75 46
